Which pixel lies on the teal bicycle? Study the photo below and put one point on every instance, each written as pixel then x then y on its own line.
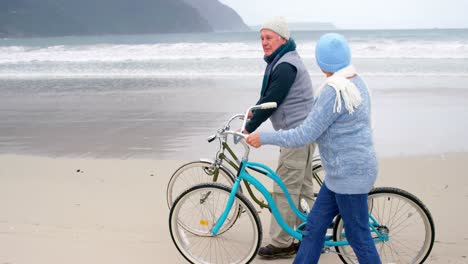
pixel 215 223
pixel 223 169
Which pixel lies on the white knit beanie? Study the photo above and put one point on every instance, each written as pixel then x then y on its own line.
pixel 277 25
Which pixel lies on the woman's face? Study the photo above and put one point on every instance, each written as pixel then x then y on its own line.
pixel 328 74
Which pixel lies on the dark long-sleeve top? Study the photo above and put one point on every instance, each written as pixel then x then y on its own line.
pixel 281 80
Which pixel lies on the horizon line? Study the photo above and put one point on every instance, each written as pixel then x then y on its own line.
pixel 383 28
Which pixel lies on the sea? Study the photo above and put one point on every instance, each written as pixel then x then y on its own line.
pixel 160 96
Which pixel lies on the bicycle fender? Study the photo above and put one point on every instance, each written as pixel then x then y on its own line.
pixel 229 172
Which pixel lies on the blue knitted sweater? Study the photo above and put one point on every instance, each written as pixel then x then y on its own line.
pixel 344 140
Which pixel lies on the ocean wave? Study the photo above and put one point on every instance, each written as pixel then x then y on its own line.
pixel 221 50
pixel 195 75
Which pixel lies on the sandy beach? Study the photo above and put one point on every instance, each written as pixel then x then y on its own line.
pixel 72 210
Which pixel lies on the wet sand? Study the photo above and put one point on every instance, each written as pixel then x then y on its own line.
pixel 171 118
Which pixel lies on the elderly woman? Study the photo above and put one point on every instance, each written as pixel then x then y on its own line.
pixel 340 124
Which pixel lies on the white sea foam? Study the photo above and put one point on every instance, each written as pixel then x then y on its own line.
pixel 220 50
pixel 420 54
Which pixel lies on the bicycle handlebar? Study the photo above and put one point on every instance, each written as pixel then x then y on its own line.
pixel 225 127
pixel 268 105
pixel 225 130
pixel 242 137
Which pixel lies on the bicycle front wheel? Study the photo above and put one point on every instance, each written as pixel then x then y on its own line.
pixel 199 208
pixel 407 221
pixel 194 173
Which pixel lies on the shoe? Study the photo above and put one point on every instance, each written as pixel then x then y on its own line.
pixel 272 252
pixel 296 246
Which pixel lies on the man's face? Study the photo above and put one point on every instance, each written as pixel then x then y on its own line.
pixel 270 41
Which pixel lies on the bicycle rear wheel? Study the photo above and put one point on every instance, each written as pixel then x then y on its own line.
pixel 198 209
pixel 194 173
pixel 406 219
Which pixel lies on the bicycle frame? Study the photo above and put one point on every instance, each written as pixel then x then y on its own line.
pixel 220 157
pixel 243 175
pixel 234 161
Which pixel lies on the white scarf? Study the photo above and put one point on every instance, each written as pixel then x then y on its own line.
pixel 344 87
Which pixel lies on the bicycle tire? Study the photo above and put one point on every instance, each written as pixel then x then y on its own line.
pixel 407 207
pixel 191 174
pixel 237 244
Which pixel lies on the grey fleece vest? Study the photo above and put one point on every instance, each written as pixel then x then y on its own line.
pixel 298 103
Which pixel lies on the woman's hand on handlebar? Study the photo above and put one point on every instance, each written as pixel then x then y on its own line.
pixel 254 140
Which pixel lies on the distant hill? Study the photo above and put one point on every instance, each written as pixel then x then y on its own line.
pixel 219 16
pixel 23 18
pixel 297 26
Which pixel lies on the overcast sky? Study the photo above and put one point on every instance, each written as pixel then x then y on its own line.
pixel 360 14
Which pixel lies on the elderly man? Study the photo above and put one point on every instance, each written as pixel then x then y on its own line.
pixel 286 82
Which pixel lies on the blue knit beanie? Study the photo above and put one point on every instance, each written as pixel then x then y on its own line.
pixel 332 52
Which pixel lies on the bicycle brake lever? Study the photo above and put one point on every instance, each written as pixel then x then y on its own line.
pixel 236 139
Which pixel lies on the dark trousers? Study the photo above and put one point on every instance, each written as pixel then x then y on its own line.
pixel 354 211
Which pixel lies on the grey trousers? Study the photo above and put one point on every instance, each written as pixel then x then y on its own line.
pixel 295 170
